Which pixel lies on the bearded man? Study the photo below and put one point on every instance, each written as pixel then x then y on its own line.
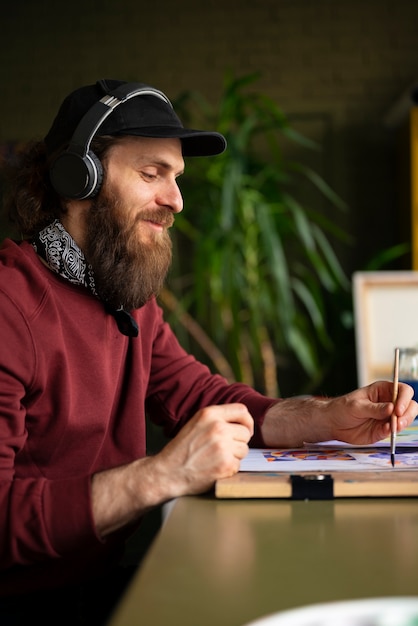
pixel 86 354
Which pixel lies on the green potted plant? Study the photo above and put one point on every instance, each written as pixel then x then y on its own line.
pixel 254 271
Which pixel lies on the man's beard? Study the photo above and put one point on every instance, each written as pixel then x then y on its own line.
pixel 127 271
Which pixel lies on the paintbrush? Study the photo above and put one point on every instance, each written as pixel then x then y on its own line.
pixel 393 419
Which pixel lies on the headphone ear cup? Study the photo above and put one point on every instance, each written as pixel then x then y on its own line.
pixel 75 176
pixel 95 186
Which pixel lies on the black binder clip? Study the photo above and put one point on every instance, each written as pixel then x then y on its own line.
pixel 312 487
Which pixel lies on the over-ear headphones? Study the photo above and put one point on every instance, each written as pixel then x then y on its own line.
pixel 77 172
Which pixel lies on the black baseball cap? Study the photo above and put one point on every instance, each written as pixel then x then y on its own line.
pixel 148 113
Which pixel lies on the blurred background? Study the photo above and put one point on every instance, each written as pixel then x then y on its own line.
pixel 333 78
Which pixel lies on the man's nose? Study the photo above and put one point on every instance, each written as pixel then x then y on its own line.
pixel 172 197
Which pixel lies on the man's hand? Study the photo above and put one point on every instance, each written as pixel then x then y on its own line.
pixel 210 446
pixel 363 416
pixel 360 417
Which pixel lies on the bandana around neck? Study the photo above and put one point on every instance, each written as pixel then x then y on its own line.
pixel 64 257
pixel 56 246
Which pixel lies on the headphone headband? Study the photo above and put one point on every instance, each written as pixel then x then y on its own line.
pixel 77 173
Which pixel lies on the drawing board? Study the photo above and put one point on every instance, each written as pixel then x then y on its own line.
pixel 328 469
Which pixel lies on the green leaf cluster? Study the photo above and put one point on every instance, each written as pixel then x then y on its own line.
pixel 254 268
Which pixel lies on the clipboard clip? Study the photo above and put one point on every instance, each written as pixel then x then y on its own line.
pixel 312 486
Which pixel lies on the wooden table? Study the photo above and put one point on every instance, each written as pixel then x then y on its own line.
pixel 227 562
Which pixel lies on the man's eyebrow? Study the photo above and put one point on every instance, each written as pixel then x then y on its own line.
pixel 150 160
pixel 169 167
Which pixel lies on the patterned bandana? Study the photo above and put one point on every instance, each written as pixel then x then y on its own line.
pixel 63 256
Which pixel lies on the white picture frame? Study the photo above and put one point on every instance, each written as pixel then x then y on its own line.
pixel 385 316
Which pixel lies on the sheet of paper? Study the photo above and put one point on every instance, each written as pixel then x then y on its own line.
pixel 335 456
pixel 327 459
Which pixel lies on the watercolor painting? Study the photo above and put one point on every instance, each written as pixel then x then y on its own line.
pixel 301 454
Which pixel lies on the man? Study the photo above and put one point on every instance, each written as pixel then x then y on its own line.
pixel 85 353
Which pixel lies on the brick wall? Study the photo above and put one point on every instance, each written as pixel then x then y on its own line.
pixel 334 66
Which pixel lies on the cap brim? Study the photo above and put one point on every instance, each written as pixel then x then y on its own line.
pixel 194 142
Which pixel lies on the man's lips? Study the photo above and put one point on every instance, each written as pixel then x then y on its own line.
pixel 155 225
pixel 158 224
